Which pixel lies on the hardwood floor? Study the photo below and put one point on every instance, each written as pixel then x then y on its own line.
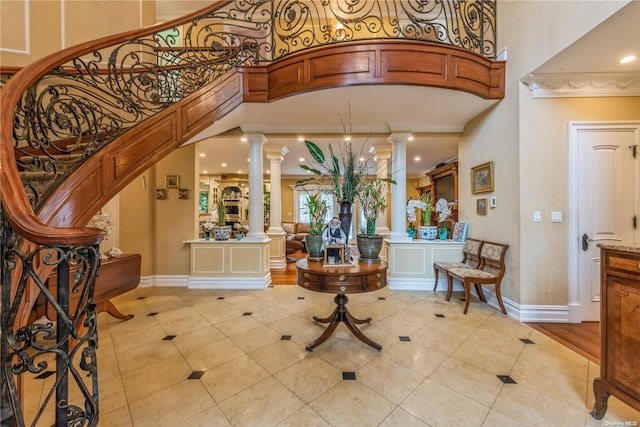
pixel 583 338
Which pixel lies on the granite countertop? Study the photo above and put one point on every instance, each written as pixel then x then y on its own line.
pixel 621 247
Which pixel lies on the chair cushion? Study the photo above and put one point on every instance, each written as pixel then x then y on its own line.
pixel 448 265
pixel 470 272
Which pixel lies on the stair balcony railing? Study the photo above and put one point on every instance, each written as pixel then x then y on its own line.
pixel 63 109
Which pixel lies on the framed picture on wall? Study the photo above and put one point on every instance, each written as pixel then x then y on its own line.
pixel 171 181
pixel 183 193
pixel 481 206
pixel 482 178
pixel 161 194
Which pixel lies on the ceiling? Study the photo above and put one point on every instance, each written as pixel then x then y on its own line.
pixel 370 113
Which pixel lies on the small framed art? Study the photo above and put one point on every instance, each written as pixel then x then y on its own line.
pixel 161 194
pixel 183 193
pixel 482 178
pixel 481 206
pixel 171 181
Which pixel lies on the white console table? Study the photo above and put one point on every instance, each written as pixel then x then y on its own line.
pixel 230 264
pixel 411 262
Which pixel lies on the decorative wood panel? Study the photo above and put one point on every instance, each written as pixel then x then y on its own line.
pixel 209 104
pixel 372 62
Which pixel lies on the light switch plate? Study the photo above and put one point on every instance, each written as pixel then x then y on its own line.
pixel 493 202
pixel 556 216
pixel 537 216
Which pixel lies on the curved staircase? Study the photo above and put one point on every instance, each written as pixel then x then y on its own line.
pixel 74 132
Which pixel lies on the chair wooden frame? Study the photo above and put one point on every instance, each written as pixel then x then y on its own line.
pixel 490 272
pixel 470 259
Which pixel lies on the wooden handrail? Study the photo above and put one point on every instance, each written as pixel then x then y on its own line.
pixel 15 203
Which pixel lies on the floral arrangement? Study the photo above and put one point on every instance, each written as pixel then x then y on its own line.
pixel 240 228
pixel 412 205
pixel 442 208
pixel 114 252
pixel 102 222
pixel 208 226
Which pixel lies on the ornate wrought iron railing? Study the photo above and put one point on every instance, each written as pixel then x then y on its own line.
pixel 64 347
pixel 70 108
pixel 80 106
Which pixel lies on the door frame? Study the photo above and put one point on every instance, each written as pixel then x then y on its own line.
pixel 573 243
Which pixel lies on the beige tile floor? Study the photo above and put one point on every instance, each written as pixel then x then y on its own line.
pixel 446 375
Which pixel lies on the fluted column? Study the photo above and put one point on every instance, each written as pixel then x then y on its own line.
pixel 399 190
pixel 382 161
pixel 256 193
pixel 276 155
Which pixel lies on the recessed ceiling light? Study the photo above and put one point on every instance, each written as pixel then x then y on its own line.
pixel 243 139
pixel 416 159
pixel 410 138
pixel 205 172
pixel 347 138
pixel 203 155
pixel 628 59
pixel 301 159
pixel 239 171
pixel 361 159
pixel 268 171
pixel 301 139
pixel 224 165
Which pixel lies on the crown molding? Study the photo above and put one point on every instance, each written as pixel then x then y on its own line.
pixel 576 85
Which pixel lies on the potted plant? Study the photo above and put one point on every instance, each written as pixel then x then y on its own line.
pixel 343 175
pixel 208 228
pixel 442 207
pixel 221 231
pixel 427 231
pixel 373 203
pixel 412 205
pixel 317 209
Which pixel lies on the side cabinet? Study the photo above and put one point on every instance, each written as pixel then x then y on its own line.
pixel 619 328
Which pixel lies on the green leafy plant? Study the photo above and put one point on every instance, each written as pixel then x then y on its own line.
pixel 344 175
pixel 221 209
pixel 428 210
pixel 317 209
pixel 372 201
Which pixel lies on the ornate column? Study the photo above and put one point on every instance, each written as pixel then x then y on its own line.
pixel 278 253
pixel 256 193
pixel 276 154
pixel 382 161
pixel 399 190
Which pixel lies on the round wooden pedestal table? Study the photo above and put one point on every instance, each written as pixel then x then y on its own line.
pixel 341 280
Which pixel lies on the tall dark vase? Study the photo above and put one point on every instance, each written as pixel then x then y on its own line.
pixel 345 217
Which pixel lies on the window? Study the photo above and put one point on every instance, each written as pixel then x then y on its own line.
pixel 301 214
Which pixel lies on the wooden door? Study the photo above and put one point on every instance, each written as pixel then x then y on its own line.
pixel 607 200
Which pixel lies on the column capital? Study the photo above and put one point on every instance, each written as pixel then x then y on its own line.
pixel 274 152
pixel 382 152
pixel 255 138
pixel 399 137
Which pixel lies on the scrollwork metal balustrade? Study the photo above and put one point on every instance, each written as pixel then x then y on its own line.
pixel 65 347
pixel 78 107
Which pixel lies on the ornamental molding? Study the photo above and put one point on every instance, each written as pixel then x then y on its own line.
pixel 576 85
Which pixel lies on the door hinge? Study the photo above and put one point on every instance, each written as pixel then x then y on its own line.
pixel 634 150
pixel 635 222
